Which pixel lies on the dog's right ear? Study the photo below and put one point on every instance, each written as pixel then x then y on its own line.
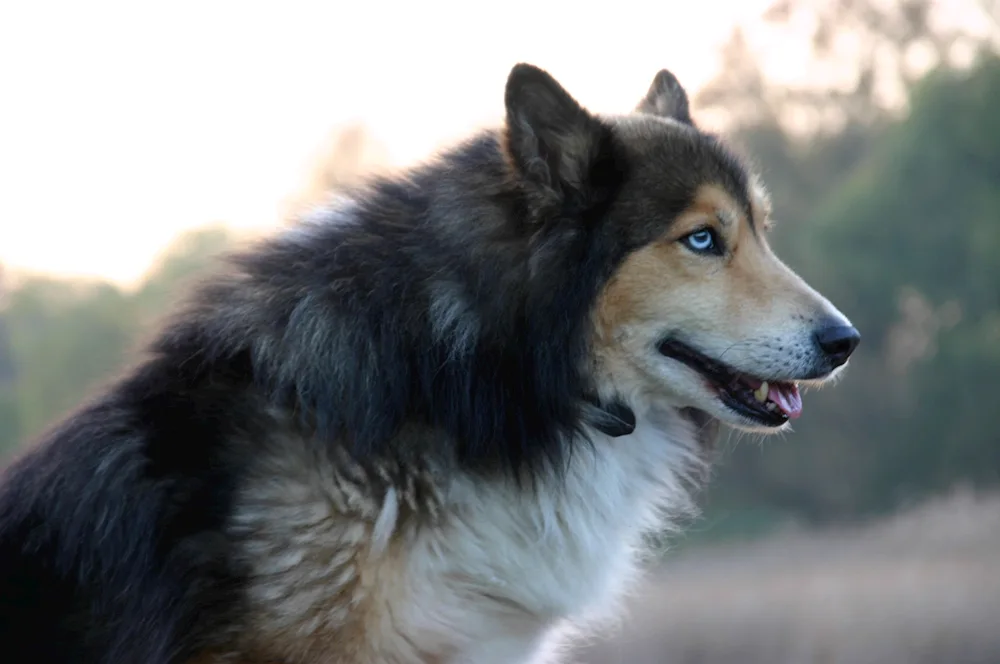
pixel 666 98
pixel 551 140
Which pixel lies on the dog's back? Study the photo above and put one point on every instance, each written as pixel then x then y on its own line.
pixel 110 528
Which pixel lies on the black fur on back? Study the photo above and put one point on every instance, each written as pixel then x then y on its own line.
pixel 337 318
pixel 456 296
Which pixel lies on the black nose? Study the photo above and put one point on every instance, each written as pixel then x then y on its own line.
pixel 838 342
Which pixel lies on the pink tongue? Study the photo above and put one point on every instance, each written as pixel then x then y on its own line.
pixel 787 397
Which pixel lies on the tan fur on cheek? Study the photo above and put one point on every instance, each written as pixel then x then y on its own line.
pixel 623 300
pixel 630 312
pixel 647 285
pixel 611 367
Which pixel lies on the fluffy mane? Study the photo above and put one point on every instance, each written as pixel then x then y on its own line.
pixel 500 363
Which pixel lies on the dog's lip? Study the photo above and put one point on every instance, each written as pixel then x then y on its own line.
pixel 683 352
pixel 733 386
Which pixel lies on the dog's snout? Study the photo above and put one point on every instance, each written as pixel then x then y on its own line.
pixel 837 341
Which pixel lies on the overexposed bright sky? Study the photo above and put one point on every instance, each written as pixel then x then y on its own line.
pixel 124 123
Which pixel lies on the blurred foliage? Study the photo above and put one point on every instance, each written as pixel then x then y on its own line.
pixel 893 212
pixel 867 56
pixel 64 338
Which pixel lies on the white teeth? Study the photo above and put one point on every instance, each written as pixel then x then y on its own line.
pixel 771 406
pixel 760 394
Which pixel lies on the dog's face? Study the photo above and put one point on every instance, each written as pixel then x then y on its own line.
pixel 698 312
pixel 703 314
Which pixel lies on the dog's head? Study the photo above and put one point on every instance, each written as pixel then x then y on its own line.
pixel 697 311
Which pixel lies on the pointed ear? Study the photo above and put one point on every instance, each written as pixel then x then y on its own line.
pixel 667 99
pixel 551 141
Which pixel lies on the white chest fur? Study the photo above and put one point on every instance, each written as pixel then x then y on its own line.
pixel 340 577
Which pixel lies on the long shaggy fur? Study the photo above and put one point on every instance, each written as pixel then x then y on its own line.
pixel 385 435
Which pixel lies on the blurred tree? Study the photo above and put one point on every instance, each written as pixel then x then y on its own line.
pixel 64 337
pixel 352 153
pixel 67 337
pixel 885 46
pixel 180 265
pixel 919 226
pixel 808 134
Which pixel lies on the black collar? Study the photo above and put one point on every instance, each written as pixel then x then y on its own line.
pixel 614 418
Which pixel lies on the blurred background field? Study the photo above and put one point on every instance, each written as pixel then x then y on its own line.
pixel 920 587
pixel 870 534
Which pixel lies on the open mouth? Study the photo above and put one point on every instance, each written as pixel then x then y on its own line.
pixel 767 402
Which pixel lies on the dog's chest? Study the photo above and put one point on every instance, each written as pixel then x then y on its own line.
pixel 567 549
pixel 338 574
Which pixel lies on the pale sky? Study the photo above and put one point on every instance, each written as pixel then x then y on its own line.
pixel 124 123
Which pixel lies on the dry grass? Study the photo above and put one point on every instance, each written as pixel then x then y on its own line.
pixel 921 587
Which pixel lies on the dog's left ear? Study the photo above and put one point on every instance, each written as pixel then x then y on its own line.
pixel 551 140
pixel 667 98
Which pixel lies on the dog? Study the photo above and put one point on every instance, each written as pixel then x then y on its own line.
pixel 433 424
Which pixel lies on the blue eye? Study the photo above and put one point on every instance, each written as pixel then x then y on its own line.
pixel 702 242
